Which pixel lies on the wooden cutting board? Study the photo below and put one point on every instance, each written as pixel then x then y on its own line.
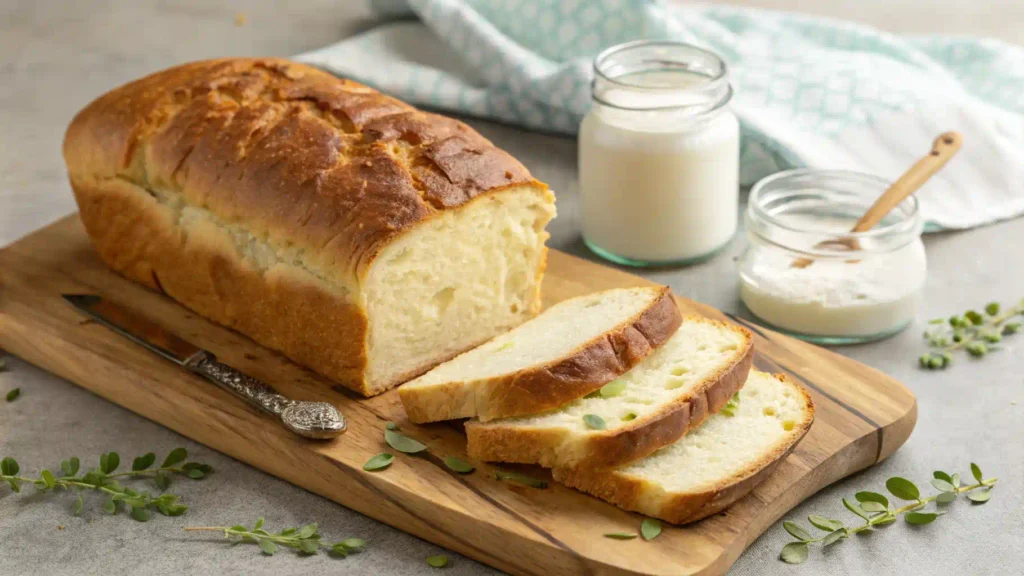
pixel 862 417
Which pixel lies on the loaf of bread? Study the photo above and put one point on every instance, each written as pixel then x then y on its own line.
pixel 359 236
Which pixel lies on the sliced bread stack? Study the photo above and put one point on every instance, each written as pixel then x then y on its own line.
pixel 618 394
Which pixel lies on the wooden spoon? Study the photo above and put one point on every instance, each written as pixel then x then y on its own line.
pixel 944 148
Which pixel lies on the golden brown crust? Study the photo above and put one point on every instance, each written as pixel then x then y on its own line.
pixel 327 169
pixel 592 365
pixel 634 494
pixel 625 444
pixel 289 151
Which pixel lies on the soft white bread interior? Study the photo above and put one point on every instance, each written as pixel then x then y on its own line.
pixel 453 282
pixel 713 466
pixel 689 377
pixel 568 351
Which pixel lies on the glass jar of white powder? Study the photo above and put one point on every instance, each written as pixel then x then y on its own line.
pixel 844 295
pixel 659 155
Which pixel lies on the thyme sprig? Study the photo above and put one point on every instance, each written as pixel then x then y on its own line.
pixel 976 333
pixel 104 479
pixel 875 510
pixel 305 540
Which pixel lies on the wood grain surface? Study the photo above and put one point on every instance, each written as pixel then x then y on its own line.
pixel 862 417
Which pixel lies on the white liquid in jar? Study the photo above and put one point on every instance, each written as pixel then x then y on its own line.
pixel 878 294
pixel 660 185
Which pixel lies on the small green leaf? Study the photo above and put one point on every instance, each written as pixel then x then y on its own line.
pixel 259 523
pixel 339 550
pixel 143 462
pixel 834 537
pixel 975 318
pixel 403 443
pixel 902 488
pixel 976 471
pixel 353 544
pixel 391 426
pixel 992 309
pixel 173 509
pixel 140 513
pixel 980 496
pixel 439 561
pixel 309 546
pixel 13 394
pixel 650 528
pixel 620 535
pixel 48 478
pixel 945 497
pixel 940 475
pixel 872 507
pixel 855 508
pixel 110 506
pixel 920 518
pixel 176 455
pixel 594 422
pixel 76 508
pixel 162 481
pixel 70 466
pixel 505 346
pixel 195 470
pixel 942 485
pixel 824 523
pixel 794 553
pixel 267 546
pixel 613 389
pixel 239 528
pixel 863 497
pixel 379 462
pixel 307 530
pixel 797 531
pixel 9 467
pixel 520 479
pixel 14 485
pixel 628 416
pixel 109 462
pixel 457 465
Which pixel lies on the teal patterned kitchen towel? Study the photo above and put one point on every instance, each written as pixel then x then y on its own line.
pixel 809 91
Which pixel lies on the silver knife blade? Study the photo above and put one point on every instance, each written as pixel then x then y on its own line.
pixel 135 327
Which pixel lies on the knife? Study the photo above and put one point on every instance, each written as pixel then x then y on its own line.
pixel 316 420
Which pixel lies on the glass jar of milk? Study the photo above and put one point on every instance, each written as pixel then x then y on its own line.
pixel 659 155
pixel 835 294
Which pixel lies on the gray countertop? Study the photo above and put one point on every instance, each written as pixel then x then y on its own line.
pixel 56 56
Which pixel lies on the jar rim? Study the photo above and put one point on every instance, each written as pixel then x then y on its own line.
pixel 714 82
pixel 907 227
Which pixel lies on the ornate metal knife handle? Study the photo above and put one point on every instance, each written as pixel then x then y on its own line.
pixel 317 420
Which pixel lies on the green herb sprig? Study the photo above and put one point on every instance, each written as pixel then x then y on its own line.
pixel 875 510
pixel 976 333
pixel 104 479
pixel 304 540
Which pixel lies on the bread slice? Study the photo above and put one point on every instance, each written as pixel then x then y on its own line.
pixel 714 465
pixel 570 350
pixel 689 377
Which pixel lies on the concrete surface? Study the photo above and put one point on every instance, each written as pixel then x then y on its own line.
pixel 56 56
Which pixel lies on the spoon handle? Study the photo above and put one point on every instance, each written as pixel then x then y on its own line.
pixel 944 148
